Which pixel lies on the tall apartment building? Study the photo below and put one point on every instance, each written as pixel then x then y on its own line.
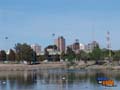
pixel 60 43
pixel 36 48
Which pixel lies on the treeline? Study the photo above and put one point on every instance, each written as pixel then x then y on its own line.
pixel 23 52
pixel 96 54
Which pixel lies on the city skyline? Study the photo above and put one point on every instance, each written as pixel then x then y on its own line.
pixel 34 21
pixel 60 43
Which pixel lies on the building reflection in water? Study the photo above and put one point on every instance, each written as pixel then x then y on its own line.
pixel 36 79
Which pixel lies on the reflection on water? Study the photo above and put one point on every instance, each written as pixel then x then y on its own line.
pixel 52 79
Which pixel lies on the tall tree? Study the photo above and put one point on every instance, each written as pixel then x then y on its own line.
pixel 18 48
pixel 3 56
pixel 62 55
pixel 96 54
pixel 11 55
pixel 24 52
pixel 46 55
pixel 70 55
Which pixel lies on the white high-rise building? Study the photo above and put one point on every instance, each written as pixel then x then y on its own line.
pixel 82 46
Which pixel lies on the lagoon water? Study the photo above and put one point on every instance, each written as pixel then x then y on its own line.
pixel 57 79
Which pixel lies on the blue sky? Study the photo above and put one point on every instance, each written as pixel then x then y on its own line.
pixel 34 21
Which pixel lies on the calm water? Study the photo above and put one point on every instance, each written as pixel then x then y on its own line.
pixel 51 79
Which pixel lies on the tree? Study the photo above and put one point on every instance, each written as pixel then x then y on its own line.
pixel 46 54
pixel 105 53
pixel 24 52
pixel 3 56
pixel 34 56
pixel 11 55
pixel 62 56
pixel 41 57
pixel 70 55
pixel 18 48
pixel 84 55
pixel 96 54
pixel 117 55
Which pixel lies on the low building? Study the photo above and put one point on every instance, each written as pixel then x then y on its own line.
pixel 52 53
pixel 75 46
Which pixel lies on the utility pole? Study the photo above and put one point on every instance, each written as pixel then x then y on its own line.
pixel 108 44
pixel 6 38
pixel 53 35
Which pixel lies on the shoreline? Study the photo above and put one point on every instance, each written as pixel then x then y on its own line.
pixel 24 67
